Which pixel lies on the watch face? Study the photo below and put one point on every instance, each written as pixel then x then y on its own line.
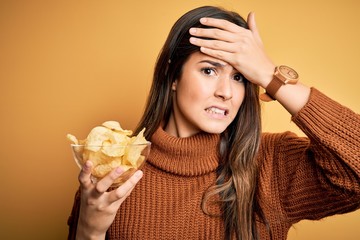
pixel 288 72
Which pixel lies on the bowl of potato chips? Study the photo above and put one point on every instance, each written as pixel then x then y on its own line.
pixel 108 147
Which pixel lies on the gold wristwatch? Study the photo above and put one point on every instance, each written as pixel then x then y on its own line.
pixel 282 75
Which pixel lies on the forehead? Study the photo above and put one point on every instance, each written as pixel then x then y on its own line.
pixel 199 57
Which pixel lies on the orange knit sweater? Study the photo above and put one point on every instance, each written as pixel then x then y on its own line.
pixel 300 178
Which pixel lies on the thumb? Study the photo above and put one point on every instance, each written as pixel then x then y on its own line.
pixel 252 26
pixel 85 174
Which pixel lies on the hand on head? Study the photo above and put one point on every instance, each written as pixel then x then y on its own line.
pixel 240 47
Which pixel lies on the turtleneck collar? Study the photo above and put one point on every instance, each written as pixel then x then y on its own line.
pixel 191 156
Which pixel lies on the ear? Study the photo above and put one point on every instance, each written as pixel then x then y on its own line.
pixel 174 85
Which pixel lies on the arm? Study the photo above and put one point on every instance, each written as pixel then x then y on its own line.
pixel 327 163
pixel 319 176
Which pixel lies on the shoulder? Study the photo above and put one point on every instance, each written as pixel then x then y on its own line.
pixel 274 145
pixel 271 139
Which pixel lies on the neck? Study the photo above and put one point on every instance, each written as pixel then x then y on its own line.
pixel 175 129
pixel 191 156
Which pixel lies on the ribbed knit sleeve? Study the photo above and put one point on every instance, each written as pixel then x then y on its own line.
pixel 334 126
pixel 317 176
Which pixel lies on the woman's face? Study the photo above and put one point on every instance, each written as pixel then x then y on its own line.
pixel 207 96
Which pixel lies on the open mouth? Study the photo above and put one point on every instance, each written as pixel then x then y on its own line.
pixel 214 110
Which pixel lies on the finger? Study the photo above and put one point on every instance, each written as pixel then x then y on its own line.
pixel 125 189
pixel 213 44
pixel 252 26
pixel 221 23
pixel 85 175
pixel 104 184
pixel 219 54
pixel 213 33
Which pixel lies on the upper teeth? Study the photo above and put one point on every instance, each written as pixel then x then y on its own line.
pixel 215 110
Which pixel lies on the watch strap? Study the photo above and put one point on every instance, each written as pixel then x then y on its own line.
pixel 271 89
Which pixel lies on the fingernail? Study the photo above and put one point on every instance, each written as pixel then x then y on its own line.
pixel 119 170
pixel 193 40
pixel 192 30
pixel 138 174
pixel 203 20
pixel 87 165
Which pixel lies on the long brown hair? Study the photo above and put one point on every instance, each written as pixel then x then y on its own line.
pixel 237 176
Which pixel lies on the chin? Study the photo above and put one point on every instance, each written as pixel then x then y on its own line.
pixel 214 129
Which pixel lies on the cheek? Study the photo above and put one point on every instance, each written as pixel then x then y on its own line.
pixel 192 91
pixel 238 95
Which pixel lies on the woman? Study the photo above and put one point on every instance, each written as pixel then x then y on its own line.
pixel 211 173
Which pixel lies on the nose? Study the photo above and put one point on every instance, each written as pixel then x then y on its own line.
pixel 224 88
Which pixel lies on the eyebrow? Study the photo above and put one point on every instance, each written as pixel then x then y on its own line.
pixel 215 64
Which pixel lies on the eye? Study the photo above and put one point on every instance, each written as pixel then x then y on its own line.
pixel 208 71
pixel 238 77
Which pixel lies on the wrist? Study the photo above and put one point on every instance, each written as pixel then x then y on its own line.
pixel 282 76
pixel 267 76
pixel 83 235
pixel 87 233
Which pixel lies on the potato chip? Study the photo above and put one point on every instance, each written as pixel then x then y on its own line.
pixel 72 139
pixel 103 169
pixel 133 153
pixel 113 149
pixel 115 126
pixel 96 157
pixel 96 138
pixel 139 139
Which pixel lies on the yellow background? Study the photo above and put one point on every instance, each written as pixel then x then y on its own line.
pixel 66 66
